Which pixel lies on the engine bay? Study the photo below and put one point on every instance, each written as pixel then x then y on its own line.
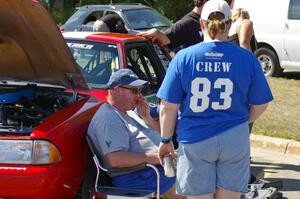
pixel 23 108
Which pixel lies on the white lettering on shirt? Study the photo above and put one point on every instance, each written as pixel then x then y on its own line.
pixel 213 67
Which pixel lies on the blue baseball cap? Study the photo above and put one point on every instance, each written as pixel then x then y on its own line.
pixel 124 77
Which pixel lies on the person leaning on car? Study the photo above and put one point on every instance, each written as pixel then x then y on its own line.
pixel 185 32
pixel 124 138
pixel 110 23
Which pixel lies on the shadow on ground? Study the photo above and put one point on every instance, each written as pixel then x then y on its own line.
pixel 291 75
pixel 257 168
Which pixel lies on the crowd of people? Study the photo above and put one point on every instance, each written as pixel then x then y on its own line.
pixel 212 90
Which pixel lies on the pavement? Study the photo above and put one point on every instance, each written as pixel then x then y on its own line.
pixel 282 146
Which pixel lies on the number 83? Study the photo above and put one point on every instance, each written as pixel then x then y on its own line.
pixel 203 95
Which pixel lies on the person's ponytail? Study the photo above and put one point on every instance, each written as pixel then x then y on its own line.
pixel 215 24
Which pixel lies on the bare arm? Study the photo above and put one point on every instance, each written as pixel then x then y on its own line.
pixel 156 35
pixel 121 159
pixel 245 34
pixel 168 119
pixel 256 111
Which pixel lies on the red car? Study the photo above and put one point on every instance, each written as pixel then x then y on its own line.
pixel 46 102
pixel 43 151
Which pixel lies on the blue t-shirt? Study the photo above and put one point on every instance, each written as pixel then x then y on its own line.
pixel 215 83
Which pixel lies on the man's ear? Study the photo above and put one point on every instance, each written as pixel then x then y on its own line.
pixel 202 24
pixel 115 91
pixel 228 25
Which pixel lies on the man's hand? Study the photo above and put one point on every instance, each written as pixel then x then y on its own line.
pixel 152 158
pixel 156 36
pixel 151 34
pixel 143 108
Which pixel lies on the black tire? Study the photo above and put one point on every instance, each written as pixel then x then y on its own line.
pixel 88 181
pixel 269 62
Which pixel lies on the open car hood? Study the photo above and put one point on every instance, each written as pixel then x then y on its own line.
pixel 32 47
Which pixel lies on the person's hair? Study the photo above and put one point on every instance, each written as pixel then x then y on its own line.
pixel 198 3
pixel 215 24
pixel 240 13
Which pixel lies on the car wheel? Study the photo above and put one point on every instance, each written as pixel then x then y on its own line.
pixel 268 61
pixel 88 181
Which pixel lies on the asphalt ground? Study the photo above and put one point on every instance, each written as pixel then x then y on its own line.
pixel 273 166
pixel 275 159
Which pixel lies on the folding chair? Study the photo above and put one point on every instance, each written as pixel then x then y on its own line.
pixel 100 190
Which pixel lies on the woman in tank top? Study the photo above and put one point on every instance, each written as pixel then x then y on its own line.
pixel 241 31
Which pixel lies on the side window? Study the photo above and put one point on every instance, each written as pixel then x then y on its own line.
pixel 294 10
pixel 140 62
pixel 93 17
pixel 163 58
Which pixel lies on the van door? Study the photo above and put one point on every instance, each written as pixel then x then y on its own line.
pixel 292 36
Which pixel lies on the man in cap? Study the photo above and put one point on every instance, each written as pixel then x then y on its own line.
pixel 124 138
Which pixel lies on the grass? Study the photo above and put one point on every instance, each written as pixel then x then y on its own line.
pixel 282 118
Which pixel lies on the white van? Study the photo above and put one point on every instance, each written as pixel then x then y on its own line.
pixel 277 30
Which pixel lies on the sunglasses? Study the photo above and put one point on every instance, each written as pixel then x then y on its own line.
pixel 133 90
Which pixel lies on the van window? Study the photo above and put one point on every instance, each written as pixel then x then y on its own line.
pixel 294 9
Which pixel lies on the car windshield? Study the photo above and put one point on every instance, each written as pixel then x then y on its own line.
pixel 97 60
pixel 140 19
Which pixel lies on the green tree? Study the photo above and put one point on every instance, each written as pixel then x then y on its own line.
pixel 174 9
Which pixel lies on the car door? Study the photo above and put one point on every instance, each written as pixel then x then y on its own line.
pixel 291 37
pixel 142 59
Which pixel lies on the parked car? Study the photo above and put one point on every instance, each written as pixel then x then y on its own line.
pixel 277 29
pixel 100 54
pixel 136 17
pixel 43 119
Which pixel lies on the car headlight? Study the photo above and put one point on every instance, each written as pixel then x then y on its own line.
pixel 28 152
